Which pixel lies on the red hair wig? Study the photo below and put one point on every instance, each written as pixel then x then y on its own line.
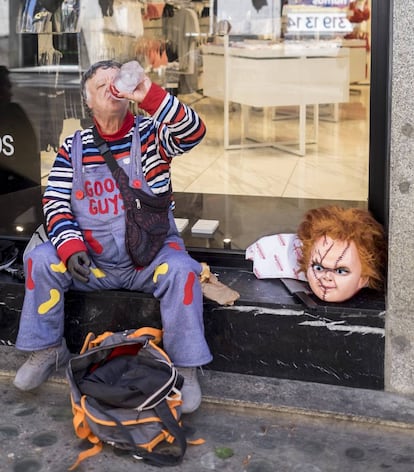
pixel 347 224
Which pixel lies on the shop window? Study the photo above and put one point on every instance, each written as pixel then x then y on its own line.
pixel 283 86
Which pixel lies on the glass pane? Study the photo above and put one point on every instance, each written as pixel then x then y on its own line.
pixel 282 85
pixel 288 116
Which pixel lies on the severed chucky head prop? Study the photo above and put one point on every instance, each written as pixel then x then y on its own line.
pixel 343 250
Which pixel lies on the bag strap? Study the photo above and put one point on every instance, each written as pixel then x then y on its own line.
pixel 83 431
pixel 103 147
pixel 87 342
pixel 153 458
pixel 118 172
pixel 120 175
pixel 156 333
pixel 91 341
pixel 164 412
pixel 96 449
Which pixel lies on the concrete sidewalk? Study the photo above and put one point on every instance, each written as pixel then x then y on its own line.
pixel 262 424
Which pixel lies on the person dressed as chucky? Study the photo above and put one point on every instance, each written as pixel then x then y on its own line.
pixel 84 217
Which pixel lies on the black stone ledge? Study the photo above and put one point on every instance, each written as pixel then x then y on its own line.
pixel 268 332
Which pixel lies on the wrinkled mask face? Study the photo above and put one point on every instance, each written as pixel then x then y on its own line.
pixel 335 272
pixel 98 95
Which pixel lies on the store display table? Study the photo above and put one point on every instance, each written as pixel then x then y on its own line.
pixel 260 75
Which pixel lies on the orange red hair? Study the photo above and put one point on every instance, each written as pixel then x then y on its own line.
pixel 347 224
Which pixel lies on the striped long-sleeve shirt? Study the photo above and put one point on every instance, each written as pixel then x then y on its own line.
pixel 171 130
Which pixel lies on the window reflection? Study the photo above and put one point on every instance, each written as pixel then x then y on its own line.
pixel 263 161
pixel 19 151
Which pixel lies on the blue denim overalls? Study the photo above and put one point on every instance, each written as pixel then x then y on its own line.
pixel 172 277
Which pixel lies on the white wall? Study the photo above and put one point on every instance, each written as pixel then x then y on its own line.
pixel 4 18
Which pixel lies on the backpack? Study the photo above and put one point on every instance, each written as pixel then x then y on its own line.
pixel 8 253
pixel 126 392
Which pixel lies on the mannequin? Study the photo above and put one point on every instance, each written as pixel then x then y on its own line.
pixel 342 250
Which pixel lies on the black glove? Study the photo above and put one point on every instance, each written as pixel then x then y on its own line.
pixel 78 266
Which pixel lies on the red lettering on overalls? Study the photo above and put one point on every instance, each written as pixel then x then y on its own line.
pixel 103 207
pixel 93 210
pixel 109 185
pixel 98 188
pixel 114 202
pixel 88 189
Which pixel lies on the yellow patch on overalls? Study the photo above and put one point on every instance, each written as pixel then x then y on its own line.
pixel 98 273
pixel 58 267
pixel 160 270
pixel 53 300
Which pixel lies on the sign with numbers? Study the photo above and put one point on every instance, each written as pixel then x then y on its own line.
pixel 317 22
pixel 321 3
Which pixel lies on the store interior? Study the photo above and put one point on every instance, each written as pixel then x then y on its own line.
pixel 247 180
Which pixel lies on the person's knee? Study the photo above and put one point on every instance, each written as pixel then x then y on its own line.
pixel 183 269
pixel 41 258
pixel 177 274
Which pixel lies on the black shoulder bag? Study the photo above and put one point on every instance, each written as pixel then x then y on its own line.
pixel 146 216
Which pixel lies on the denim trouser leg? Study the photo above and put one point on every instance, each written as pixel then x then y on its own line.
pixel 42 317
pixel 173 278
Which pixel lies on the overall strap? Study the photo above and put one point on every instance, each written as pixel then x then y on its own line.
pixel 103 147
pixel 135 152
pixel 76 152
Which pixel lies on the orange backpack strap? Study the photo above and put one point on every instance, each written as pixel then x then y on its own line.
pixel 196 442
pixel 87 343
pixel 80 424
pixel 83 431
pixel 147 331
pixel 91 342
pixel 96 449
pixel 98 340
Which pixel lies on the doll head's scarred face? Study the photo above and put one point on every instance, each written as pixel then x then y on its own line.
pixel 343 250
pixel 334 272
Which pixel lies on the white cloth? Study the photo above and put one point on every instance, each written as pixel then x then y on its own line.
pixel 276 256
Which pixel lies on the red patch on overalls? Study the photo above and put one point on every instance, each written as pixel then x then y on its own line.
pixel 175 246
pixel 79 195
pixel 137 184
pixel 93 243
pixel 29 280
pixel 188 289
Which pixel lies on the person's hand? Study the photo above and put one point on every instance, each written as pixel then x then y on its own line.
pixel 78 266
pixel 140 92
